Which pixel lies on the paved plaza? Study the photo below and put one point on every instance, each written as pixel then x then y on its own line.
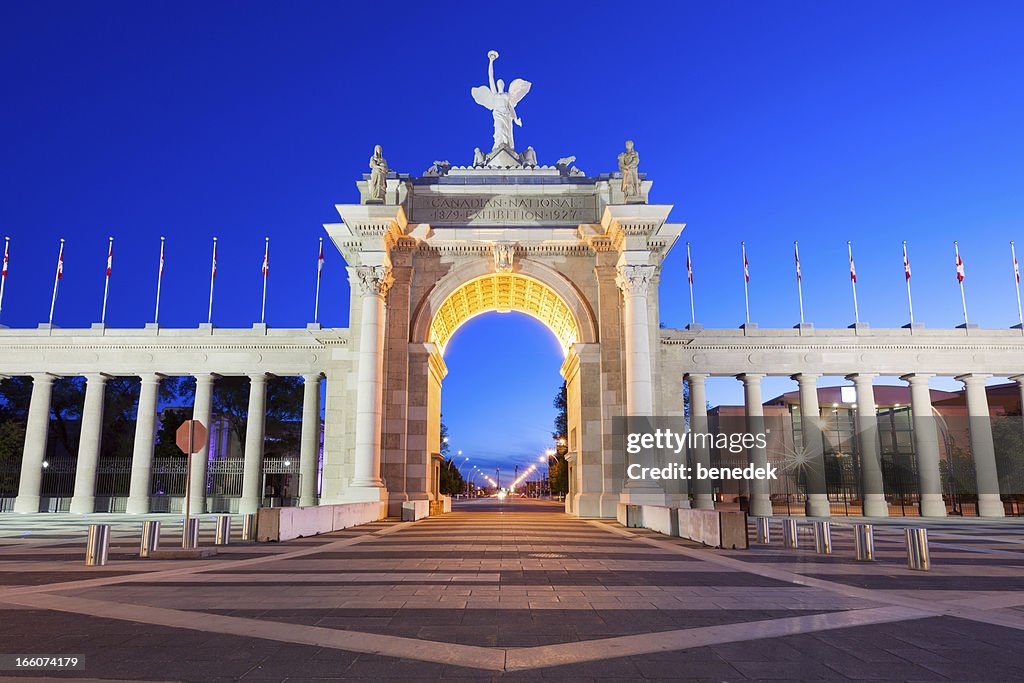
pixel 515 589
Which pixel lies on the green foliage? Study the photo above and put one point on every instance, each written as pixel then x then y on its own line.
pixel 558 468
pixel 445 447
pixel 451 479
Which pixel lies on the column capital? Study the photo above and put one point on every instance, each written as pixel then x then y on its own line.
pixel 972 378
pixel 861 377
pixel 308 377
pixel 373 280
pixel 635 280
pixel 916 378
pixel 750 377
pixel 806 377
pixel 150 377
pixel 696 376
pixel 98 377
pixel 258 378
pixel 205 378
pixel 43 377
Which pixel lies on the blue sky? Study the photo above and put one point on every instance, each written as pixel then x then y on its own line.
pixel 764 122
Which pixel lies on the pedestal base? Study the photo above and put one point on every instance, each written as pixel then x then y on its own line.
pixel 875 505
pixel 760 505
pixel 990 505
pixel 704 501
pixel 932 505
pixel 817 505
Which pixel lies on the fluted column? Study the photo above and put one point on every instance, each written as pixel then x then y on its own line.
pixel 202 410
pixel 373 284
pixel 37 429
pixel 760 494
pixel 926 446
pixel 83 501
pixel 635 281
pixel 703 498
pixel 142 452
pixel 810 428
pixel 872 483
pixel 309 446
pixel 983 450
pixel 254 432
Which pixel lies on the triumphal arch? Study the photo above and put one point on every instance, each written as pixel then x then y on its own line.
pixel 506 230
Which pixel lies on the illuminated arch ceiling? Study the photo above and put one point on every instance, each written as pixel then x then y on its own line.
pixel 504 292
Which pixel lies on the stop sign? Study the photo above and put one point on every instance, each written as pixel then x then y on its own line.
pixel 199 436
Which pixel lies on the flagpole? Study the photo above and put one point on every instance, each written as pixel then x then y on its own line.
pixel 213 275
pixel 106 282
pixel 159 279
pixel 799 280
pixel 906 270
pixel 266 256
pixel 960 277
pixel 3 275
pixel 689 277
pixel 56 279
pixel 746 277
pixel 1016 278
pixel 319 266
pixel 853 282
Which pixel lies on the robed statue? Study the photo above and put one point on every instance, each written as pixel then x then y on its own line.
pixel 502 104
pixel 629 161
pixel 378 184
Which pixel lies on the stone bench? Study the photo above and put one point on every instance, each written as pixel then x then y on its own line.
pixel 283 524
pixel 415 509
pixel 715 528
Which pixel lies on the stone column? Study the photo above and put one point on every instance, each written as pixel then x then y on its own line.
pixel 872 484
pixel 83 502
pixel 810 428
pixel 202 410
pixel 142 453
pixel 373 284
pixel 36 431
pixel 760 496
pixel 703 498
pixel 252 493
pixel 983 450
pixel 926 446
pixel 309 448
pixel 635 281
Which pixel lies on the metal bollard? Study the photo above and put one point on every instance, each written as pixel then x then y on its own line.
pixel 764 531
pixel 249 527
pixel 917 549
pixel 190 536
pixel 96 550
pixel 864 542
pixel 150 537
pixel 789 536
pixel 223 530
pixel 823 538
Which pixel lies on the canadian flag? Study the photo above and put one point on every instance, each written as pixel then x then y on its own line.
pixel 689 268
pixel 60 261
pixel 959 267
pixel 7 249
pixel 906 262
pixel 1016 268
pixel 746 267
pixel 110 257
pixel 853 271
pixel 160 275
pixel 213 267
pixel 796 256
pixel 320 258
pixel 266 260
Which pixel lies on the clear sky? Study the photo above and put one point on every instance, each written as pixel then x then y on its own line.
pixel 765 122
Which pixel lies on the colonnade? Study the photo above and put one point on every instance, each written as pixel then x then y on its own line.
pixel 926 442
pixel 83 500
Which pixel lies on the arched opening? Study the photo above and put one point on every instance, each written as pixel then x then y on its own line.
pixel 526 462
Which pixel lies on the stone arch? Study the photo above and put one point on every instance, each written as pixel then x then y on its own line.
pixel 532 288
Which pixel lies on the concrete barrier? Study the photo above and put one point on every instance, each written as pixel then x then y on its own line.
pixel 715 528
pixel 415 509
pixel 283 524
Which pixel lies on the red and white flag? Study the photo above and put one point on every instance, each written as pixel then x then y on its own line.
pixel 7 257
pixel 853 270
pixel 160 275
pixel 320 259
pixel 266 260
pixel 110 257
pixel 959 267
pixel 689 268
pixel 746 267
pixel 60 261
pixel 1016 267
pixel 213 267
pixel 906 262
pixel 796 256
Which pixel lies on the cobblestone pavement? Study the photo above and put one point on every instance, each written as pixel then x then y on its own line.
pixel 515 590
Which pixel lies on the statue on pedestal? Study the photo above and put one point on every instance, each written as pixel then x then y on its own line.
pixel 478 157
pixel 378 185
pixel 629 161
pixel 501 104
pixel 529 157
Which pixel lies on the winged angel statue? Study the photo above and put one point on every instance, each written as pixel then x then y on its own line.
pixel 502 104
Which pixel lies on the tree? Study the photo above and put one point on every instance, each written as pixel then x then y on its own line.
pixel 445 448
pixel 451 479
pixel 558 468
